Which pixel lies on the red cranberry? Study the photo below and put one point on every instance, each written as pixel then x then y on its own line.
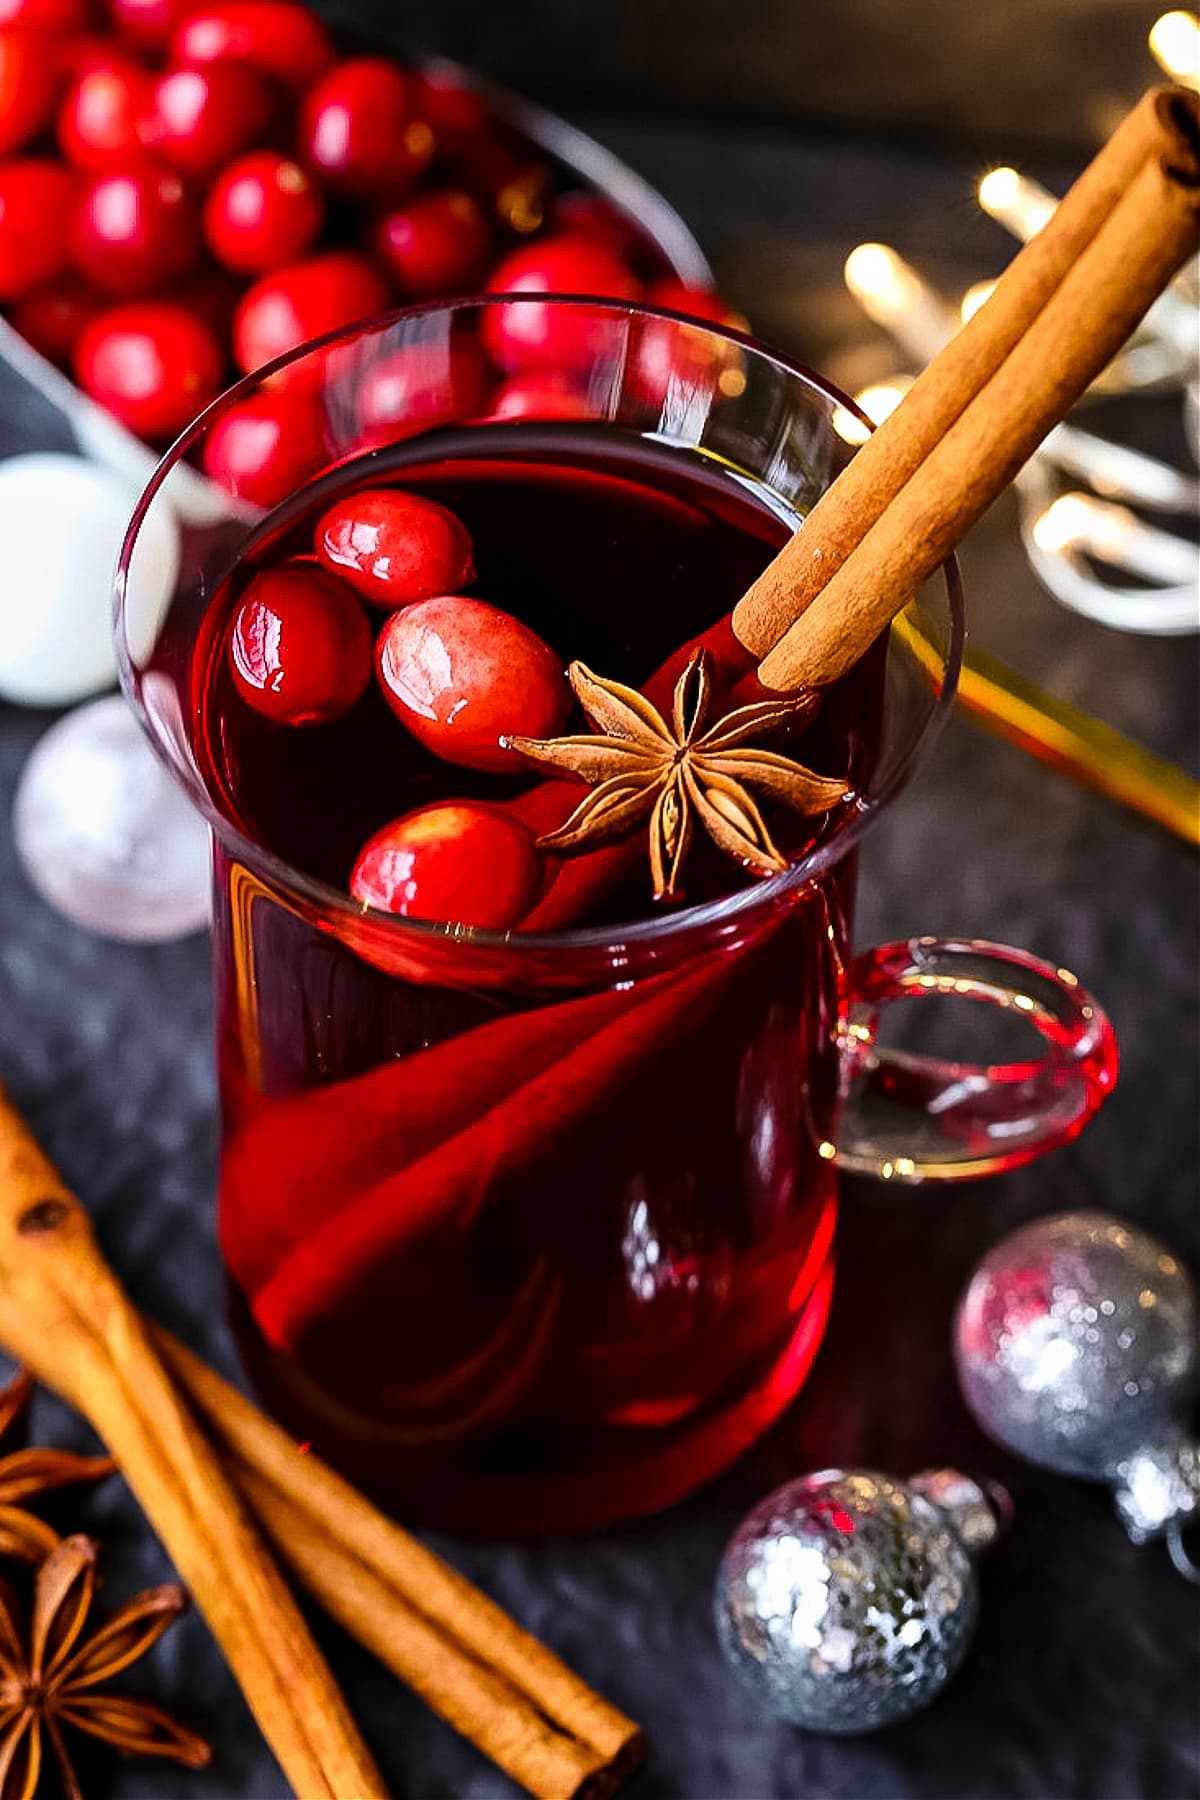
pixel 457 861
pixel 541 396
pixel 395 548
pixel 266 446
pixel 28 87
pixel 436 245
pixel 462 674
pixel 301 301
pixel 539 336
pixel 153 364
pixel 591 216
pixel 52 317
pixel 135 229
pixel 199 118
pixel 144 23
pixel 99 121
pixel 299 646
pixel 454 110
pixel 420 386
pixel 262 212
pixel 661 353
pixel 358 130
pixel 36 197
pixel 284 40
pixel 56 17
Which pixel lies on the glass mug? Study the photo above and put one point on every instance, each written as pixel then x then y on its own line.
pixel 535 1230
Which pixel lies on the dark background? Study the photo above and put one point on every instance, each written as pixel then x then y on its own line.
pixel 785 133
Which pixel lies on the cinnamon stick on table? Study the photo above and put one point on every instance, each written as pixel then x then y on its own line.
pixel 1059 313
pixel 63 1314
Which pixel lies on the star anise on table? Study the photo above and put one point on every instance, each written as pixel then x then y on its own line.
pixel 643 770
pixel 27 1473
pixel 49 1674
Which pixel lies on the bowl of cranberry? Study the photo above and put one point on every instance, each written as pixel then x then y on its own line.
pixel 190 189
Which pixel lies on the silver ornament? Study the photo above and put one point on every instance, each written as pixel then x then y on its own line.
pixel 846 1600
pixel 1076 1348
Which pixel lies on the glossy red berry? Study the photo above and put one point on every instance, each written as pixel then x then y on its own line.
pixel 541 395
pixel 662 355
pixel 586 215
pixel 36 199
pixel 99 121
pixel 153 364
pixel 394 548
pixel 301 301
pixel 435 246
pixel 146 24
pixel 284 40
pixel 456 112
pixel 458 861
pixel 52 317
pixel 28 86
pixel 299 646
pixel 134 230
pixel 420 386
pixel 262 212
pixel 57 17
pixel 538 336
pixel 199 118
pixel 696 302
pixel 266 446
pixel 358 130
pixel 462 674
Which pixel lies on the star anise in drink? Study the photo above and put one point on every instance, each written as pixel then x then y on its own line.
pixel 643 770
pixel 50 1674
pixel 26 1473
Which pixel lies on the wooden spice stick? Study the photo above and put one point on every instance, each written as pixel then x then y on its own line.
pixel 1144 241
pixel 1163 124
pixel 63 1314
pixel 461 1652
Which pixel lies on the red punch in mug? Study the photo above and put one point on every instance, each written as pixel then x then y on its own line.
pixel 529 1223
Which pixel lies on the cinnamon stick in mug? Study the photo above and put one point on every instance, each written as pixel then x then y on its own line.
pixel 1164 126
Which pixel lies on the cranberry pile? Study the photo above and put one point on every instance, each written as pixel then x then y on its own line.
pixel 458 673
pixel 188 190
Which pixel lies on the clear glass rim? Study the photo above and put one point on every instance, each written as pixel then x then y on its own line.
pixel 667 927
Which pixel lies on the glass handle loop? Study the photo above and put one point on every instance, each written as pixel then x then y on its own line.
pixel 908 1117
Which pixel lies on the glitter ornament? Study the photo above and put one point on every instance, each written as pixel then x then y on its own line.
pixel 105 835
pixel 847 1600
pixel 1076 1348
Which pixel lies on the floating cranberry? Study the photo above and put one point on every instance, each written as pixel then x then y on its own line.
pixel 144 23
pixel 55 17
pixel 299 646
pixel 436 245
pixel 153 364
pixel 263 211
pixel 199 118
pixel 462 674
pixel 458 861
pixel 301 301
pixel 135 229
pixel 394 547
pixel 36 197
pixel 541 396
pixel 52 317
pixel 266 446
pixel 285 41
pixel 358 129
pixel 420 386
pixel 28 87
pixel 99 121
pixel 569 339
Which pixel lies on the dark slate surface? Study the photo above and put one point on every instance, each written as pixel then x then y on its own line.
pixel 1083 1683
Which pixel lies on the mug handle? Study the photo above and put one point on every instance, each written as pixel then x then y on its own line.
pixel 918 1118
